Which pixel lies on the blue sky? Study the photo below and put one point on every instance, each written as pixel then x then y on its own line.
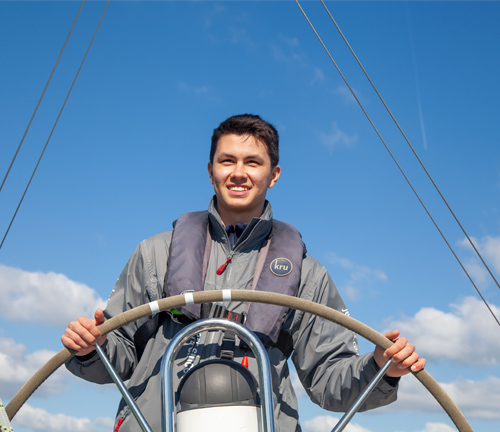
pixel 129 156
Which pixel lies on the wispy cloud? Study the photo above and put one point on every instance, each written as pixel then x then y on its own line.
pixel 318 76
pixel 286 49
pixel 359 274
pixel 239 36
pixel 40 420
pixel 292 42
pixel 466 334
pixel 417 87
pixel 345 95
pixel 37 297
pixel 489 248
pixel 196 90
pixel 336 138
pixel 211 13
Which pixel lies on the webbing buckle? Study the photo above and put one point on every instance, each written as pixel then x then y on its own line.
pixel 218 310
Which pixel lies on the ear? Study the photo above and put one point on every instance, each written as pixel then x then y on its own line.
pixel 209 167
pixel 275 175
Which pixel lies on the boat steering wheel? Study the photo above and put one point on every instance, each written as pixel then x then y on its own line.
pixel 173 302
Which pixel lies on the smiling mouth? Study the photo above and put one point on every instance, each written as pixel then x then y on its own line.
pixel 238 188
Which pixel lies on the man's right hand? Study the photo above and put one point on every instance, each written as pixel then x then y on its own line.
pixel 82 334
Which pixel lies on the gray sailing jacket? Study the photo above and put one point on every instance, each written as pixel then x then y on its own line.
pixel 325 355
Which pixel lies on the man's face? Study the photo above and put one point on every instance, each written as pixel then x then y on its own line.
pixel 241 174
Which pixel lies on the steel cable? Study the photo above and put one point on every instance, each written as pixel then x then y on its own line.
pixel 53 127
pixel 410 145
pixel 398 165
pixel 41 97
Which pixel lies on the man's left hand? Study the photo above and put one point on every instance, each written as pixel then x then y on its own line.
pixel 403 355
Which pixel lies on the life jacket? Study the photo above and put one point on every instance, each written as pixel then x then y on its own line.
pixel 278 270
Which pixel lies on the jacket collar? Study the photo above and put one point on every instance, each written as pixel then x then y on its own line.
pixel 257 230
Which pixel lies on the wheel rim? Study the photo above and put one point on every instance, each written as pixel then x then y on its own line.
pixel 291 302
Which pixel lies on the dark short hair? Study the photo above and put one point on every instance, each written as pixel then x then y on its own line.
pixel 249 124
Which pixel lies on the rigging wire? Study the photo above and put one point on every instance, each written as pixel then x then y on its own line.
pixel 41 97
pixel 53 127
pixel 396 162
pixel 410 145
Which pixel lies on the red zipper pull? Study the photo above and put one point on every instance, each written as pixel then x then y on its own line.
pixel 223 266
pixel 118 425
pixel 244 362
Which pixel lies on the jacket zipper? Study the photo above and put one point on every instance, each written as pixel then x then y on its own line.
pixel 230 255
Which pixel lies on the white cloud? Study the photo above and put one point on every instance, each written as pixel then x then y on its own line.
pixel 337 138
pixel 17 366
pixel 477 272
pixel 40 420
pixel 467 334
pixel 48 298
pixel 358 273
pixel 437 427
pixel 327 422
pixel 476 399
pixel 433 427
pixel 489 248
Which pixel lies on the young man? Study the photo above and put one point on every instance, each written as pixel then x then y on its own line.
pixel 243 165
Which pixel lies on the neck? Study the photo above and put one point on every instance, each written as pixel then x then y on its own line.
pixel 233 218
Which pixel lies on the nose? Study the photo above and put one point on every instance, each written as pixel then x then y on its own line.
pixel 239 171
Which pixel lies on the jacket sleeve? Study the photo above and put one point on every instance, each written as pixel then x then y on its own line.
pixel 141 281
pixel 326 355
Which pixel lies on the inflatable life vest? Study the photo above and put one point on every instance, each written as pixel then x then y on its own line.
pixel 278 269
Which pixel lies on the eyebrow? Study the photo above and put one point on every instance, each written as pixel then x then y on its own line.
pixel 225 155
